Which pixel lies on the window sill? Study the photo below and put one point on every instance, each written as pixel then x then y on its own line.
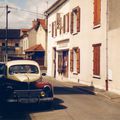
pixel 96 26
pixel 75 73
pixel 74 33
pixel 96 76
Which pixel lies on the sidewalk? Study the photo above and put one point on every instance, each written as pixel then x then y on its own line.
pixel 113 97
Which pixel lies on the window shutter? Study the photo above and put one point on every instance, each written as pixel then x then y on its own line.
pixel 78 19
pixel 52 29
pixel 97 12
pixel 78 60
pixel 64 24
pixel 71 60
pixel 68 22
pixel 71 29
pixel 96 59
pixel 55 25
pixel 60 25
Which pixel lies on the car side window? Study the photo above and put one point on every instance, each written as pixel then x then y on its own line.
pixel 2 69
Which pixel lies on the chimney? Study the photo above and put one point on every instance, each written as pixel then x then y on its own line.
pixel 34 23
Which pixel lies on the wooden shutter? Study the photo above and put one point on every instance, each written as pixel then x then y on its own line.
pixel 55 25
pixel 64 24
pixel 52 29
pixel 60 25
pixel 68 22
pixel 96 59
pixel 78 60
pixel 97 12
pixel 71 60
pixel 78 19
pixel 71 29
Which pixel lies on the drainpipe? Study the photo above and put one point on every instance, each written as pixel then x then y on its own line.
pixel 107 29
pixel 46 36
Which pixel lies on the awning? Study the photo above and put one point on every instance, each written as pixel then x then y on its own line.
pixel 35 48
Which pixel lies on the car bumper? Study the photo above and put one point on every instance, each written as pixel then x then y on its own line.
pixel 29 96
pixel 30 100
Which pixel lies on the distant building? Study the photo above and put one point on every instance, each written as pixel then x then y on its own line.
pixel 24 42
pixel 83 42
pixel 36 36
pixel 13 43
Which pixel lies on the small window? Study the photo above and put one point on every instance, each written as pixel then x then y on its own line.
pixel 3 44
pixel 66 23
pixel 75 20
pixel 75 60
pixel 16 44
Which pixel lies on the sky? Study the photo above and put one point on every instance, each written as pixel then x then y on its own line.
pixel 22 12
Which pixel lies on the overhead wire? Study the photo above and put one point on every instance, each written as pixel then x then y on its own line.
pixel 25 10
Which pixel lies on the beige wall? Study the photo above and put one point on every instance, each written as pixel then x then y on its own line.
pixel 113 46
pixel 32 37
pixel 114 60
pixel 41 37
pixel 114 14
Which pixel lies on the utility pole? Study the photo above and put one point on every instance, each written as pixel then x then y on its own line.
pixel 6 39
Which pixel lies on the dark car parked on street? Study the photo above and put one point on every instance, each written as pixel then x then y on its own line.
pixel 21 82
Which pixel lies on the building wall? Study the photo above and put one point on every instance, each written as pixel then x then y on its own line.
pixel 113 46
pixel 32 37
pixel 24 44
pixel 87 36
pixel 114 14
pixel 41 37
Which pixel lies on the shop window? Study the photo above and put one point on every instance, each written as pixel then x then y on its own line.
pixel 63 63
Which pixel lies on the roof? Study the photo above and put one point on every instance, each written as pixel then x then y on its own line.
pixel 38 22
pixel 11 34
pixel 24 30
pixel 35 48
pixel 54 6
pixel 42 23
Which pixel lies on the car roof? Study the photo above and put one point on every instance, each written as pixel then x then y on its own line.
pixel 18 62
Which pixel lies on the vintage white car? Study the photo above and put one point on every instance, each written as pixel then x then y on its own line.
pixel 21 81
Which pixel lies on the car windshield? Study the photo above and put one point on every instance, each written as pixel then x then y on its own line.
pixel 15 69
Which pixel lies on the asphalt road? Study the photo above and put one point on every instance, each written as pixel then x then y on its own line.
pixel 69 104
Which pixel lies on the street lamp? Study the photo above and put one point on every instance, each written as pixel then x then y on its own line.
pixel 6 40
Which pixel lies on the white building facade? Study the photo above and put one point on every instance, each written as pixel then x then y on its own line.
pixel 78 45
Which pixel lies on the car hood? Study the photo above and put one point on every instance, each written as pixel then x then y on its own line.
pixel 24 77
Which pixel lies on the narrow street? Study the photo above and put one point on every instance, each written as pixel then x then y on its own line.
pixel 69 104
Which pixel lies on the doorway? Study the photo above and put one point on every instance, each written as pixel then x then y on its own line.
pixel 63 63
